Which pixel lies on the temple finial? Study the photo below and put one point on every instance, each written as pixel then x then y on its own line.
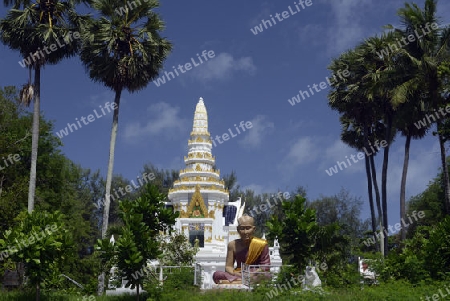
pixel 200 118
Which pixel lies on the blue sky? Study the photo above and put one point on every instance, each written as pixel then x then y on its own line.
pixel 250 78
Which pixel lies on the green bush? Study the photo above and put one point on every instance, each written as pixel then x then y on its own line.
pixel 424 258
pixel 345 276
pixel 180 280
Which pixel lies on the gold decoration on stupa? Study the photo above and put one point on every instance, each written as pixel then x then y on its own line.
pixel 197 206
pixel 198 168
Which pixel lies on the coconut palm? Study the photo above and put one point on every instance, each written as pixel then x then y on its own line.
pixel 368 106
pixel 35 29
pixel 359 117
pixel 382 80
pixel 406 101
pixel 426 55
pixel 122 52
pixel 409 113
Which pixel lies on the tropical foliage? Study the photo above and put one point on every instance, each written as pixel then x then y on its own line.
pixel 143 220
pixel 42 242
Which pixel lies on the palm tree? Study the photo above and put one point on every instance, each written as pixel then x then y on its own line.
pixel 122 52
pixel 406 100
pixel 32 29
pixel 426 55
pixel 381 84
pixel 409 113
pixel 359 117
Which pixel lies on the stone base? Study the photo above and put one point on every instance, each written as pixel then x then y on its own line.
pixel 230 286
pixel 123 291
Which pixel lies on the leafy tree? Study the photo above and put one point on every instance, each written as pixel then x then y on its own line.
pixel 300 236
pixel 61 185
pixel 431 201
pixel 176 250
pixel 31 28
pixel 143 220
pixel 163 178
pixel 41 241
pixel 424 257
pixel 15 138
pixel 343 209
pixel 231 184
pixel 122 52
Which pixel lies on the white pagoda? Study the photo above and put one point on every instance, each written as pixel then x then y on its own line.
pixel 206 216
pixel 200 195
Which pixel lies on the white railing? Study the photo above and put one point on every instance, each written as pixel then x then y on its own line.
pixel 203 277
pixel 167 270
pixel 256 272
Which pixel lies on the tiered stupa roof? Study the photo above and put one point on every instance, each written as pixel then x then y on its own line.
pixel 199 171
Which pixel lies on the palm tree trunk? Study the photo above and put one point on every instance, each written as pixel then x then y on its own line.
pixel 378 200
pixel 109 175
pixel 369 188
pixel 35 137
pixel 403 186
pixel 444 168
pixel 384 180
pixel 137 292
pixel 372 209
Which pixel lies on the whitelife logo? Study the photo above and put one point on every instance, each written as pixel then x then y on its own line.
pixel 397 226
pixel 188 66
pixel 411 38
pixel 322 85
pixel 423 123
pixel 284 15
pixel 90 118
pixel 10 158
pixel 226 137
pixel 145 178
pixel 53 47
pixel 360 156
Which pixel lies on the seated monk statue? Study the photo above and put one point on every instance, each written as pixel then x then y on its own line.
pixel 248 249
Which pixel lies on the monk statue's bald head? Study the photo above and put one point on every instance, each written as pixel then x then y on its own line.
pixel 246 219
pixel 246 227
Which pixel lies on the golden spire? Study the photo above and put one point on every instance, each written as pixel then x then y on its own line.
pixel 200 125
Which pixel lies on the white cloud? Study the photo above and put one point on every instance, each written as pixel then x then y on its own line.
pixel 222 67
pixel 303 151
pixel 162 118
pixel 346 30
pixel 254 136
pixel 337 152
pixel 100 99
pixel 263 14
